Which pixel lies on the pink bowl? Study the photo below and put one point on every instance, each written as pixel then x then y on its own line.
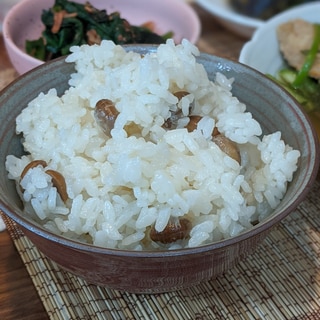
pixel 23 22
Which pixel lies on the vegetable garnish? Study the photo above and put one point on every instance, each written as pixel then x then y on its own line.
pixel 70 24
pixel 307 94
pixel 310 58
pixel 299 84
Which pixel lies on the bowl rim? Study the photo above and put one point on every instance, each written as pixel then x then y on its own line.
pixel 271 221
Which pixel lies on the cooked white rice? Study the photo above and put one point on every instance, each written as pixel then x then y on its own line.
pixel 120 186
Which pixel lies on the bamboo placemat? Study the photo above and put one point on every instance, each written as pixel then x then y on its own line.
pixel 281 280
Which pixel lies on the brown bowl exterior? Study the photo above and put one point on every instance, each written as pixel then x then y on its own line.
pixel 142 272
pixel 151 272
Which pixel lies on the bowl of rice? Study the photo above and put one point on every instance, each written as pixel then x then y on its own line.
pixel 151 168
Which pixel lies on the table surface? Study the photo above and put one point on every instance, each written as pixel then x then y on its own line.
pixel 19 298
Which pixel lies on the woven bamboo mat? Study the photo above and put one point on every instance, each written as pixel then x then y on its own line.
pixel 281 280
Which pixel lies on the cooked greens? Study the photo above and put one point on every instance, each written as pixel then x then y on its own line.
pixel 304 88
pixel 69 23
pixel 307 93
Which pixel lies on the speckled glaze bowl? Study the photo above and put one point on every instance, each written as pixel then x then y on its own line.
pixel 152 272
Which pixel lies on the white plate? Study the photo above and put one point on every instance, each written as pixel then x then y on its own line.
pixel 262 51
pixel 237 23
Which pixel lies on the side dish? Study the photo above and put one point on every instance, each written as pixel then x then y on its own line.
pixel 299 43
pixel 69 23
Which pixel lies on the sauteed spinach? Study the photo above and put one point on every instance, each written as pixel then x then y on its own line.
pixel 69 23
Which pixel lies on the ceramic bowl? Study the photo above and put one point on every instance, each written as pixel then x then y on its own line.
pixel 160 271
pixel 23 22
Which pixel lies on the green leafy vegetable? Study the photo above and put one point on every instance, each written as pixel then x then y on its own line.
pixel 310 58
pixel 308 92
pixel 69 23
pixel 305 89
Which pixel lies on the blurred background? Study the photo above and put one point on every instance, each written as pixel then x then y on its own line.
pixel 264 9
pixel 5 5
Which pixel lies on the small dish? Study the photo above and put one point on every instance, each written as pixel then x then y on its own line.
pixel 23 22
pixel 262 51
